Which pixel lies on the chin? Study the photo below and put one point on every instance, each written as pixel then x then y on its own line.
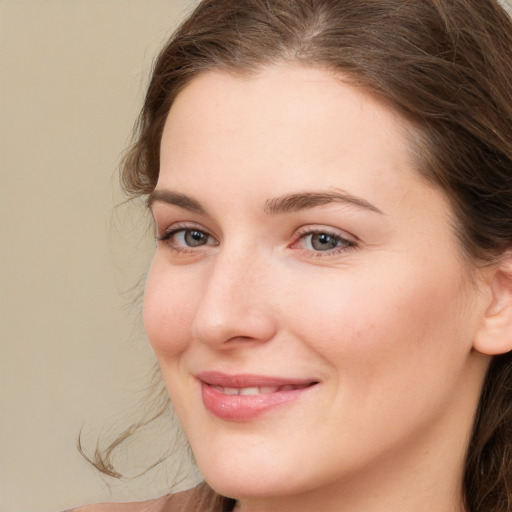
pixel 249 479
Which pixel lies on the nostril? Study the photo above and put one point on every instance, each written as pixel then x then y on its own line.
pixel 234 339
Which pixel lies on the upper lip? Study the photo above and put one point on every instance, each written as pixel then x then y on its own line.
pixel 243 380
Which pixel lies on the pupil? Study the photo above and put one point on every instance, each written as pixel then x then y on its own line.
pixel 195 238
pixel 323 241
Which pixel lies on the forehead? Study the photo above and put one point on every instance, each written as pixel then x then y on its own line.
pixel 285 123
pixel 279 97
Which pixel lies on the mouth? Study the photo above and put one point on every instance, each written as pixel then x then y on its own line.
pixel 246 397
pixel 262 390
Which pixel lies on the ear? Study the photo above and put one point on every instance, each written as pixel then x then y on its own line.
pixel 494 335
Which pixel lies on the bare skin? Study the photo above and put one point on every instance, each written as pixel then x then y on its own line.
pixel 297 240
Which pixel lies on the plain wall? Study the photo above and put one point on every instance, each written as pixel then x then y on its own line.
pixel 72 352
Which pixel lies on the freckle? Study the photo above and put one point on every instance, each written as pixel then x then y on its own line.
pixel 358 335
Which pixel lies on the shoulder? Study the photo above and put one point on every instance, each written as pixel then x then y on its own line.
pixel 171 503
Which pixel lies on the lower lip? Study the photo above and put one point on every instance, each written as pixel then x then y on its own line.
pixel 246 407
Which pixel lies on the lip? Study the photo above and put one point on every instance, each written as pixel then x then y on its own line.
pixel 234 407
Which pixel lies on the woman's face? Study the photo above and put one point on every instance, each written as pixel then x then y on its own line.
pixel 308 301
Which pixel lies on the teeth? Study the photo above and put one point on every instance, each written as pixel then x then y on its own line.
pixel 268 390
pixel 249 391
pixel 263 390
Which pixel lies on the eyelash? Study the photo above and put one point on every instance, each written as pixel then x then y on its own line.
pixel 346 244
pixel 180 228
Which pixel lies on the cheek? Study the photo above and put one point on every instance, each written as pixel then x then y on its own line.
pixel 375 327
pixel 396 350
pixel 168 310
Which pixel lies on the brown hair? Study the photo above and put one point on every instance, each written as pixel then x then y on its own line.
pixel 446 65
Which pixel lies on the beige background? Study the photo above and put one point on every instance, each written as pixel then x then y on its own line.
pixel 72 74
pixel 72 352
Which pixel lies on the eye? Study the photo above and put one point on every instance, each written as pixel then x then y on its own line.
pixel 323 241
pixel 191 237
pixel 187 238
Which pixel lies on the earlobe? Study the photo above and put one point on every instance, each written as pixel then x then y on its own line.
pixel 494 335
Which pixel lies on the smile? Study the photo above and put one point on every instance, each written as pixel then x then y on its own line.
pixel 246 397
pixel 264 390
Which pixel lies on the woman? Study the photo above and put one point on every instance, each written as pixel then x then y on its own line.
pixel 330 299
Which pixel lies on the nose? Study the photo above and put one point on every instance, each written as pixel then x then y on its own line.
pixel 235 305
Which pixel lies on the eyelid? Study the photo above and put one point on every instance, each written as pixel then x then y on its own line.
pixel 351 241
pixel 167 237
pixel 178 226
pixel 319 228
pixel 348 241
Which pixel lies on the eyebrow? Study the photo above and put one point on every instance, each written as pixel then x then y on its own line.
pixel 304 200
pixel 283 204
pixel 173 198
